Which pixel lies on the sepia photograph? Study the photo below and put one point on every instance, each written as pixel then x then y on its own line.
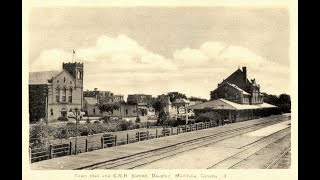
pixel 159 88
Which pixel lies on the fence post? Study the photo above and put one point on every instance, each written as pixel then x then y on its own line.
pixel 185 128
pixel 30 155
pixel 127 138
pixel 115 140
pixel 156 133
pixel 70 148
pixel 197 127
pixel 171 130
pixel 102 143
pixel 164 132
pixel 51 151
pixel 178 129
pixel 138 136
pixel 147 134
pixel 86 145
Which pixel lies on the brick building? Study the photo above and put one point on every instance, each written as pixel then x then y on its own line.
pixel 236 99
pixel 54 94
pixel 103 96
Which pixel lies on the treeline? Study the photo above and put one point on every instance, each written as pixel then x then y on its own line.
pixel 283 101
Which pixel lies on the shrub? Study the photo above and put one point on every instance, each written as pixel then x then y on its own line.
pixel 138 120
pixel 207 116
pixel 61 133
pixel 62 119
pixel 124 125
pixel 96 122
pixel 173 122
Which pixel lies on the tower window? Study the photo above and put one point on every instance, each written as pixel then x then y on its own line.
pixel 79 75
pixel 70 95
pixel 51 112
pixel 94 111
pixel 64 79
pixel 126 111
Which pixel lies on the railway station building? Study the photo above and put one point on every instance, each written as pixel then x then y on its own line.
pixel 236 98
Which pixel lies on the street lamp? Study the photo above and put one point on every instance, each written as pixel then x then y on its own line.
pixel 75 146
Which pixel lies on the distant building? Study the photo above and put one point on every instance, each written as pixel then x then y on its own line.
pixel 54 94
pixel 103 96
pixel 139 99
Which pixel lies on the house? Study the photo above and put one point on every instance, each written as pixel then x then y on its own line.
pixel 54 95
pixel 139 98
pixel 236 99
pixel 103 96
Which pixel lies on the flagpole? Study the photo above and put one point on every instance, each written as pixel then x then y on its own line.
pixel 72 55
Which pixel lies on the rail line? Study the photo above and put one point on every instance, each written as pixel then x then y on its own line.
pixel 278 159
pixel 133 161
pixel 263 139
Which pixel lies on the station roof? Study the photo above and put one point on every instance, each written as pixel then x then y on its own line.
pixel 228 105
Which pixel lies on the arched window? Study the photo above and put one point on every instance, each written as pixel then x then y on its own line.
pixel 64 94
pixel 79 75
pixel 70 95
pixel 57 94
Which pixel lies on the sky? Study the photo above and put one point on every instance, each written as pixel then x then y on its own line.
pixel 155 50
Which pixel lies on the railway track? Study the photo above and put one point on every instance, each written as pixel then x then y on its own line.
pixel 144 158
pixel 278 159
pixel 242 152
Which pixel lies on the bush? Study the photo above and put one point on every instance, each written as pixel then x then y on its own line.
pixel 207 116
pixel 61 133
pixel 173 122
pixel 124 125
pixel 63 119
pixel 96 122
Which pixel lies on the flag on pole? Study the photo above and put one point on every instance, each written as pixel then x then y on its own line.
pixel 73 52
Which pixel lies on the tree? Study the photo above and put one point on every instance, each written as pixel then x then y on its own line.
pixel 162 118
pixel 109 107
pixel 284 103
pixel 158 105
pixel 197 99
pixel 176 95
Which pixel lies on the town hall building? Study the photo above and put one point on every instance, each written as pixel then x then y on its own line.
pixel 54 95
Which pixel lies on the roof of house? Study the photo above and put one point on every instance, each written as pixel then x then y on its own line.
pixel 181 101
pixel 228 105
pixel 235 86
pixel 90 100
pixel 41 77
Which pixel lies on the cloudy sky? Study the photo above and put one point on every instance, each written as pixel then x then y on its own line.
pixel 162 49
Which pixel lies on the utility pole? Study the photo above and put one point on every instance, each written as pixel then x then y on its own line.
pixel 75 146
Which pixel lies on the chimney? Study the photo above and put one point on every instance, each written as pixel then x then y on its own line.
pixel 244 70
pixel 95 89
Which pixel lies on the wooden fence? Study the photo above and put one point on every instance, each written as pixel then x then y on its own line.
pixel 110 140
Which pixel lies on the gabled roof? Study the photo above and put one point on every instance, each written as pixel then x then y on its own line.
pixel 238 71
pixel 236 87
pixel 90 100
pixel 181 101
pixel 228 105
pixel 41 77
